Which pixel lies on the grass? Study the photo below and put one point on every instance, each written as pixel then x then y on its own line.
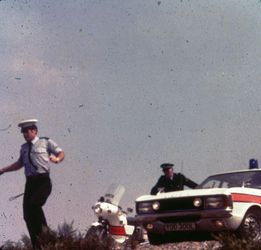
pixel 230 241
pixel 67 238
pixel 64 238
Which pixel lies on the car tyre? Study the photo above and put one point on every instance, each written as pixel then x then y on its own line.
pixel 250 227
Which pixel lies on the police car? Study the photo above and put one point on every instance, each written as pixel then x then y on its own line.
pixel 222 202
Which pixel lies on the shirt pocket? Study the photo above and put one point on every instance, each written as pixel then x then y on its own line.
pixel 40 151
pixel 40 155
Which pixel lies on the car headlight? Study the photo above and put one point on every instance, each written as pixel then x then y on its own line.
pixel 197 202
pixel 155 205
pixel 214 202
pixel 144 207
pixel 148 207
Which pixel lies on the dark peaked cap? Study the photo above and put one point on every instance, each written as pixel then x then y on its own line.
pixel 166 165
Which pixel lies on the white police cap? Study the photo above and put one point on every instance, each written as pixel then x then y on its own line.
pixel 27 123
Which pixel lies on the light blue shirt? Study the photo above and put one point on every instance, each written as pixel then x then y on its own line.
pixel 41 149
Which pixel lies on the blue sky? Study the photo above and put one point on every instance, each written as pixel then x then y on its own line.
pixel 123 86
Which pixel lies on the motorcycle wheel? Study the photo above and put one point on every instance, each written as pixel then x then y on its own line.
pixel 96 232
pixel 97 237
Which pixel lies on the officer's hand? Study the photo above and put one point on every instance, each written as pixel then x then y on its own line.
pixel 54 159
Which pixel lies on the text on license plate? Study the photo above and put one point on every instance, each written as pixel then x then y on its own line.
pixel 184 226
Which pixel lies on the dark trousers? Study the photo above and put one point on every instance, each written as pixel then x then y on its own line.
pixel 37 190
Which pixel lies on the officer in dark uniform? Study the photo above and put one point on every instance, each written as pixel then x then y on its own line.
pixel 171 181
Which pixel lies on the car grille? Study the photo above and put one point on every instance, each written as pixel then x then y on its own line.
pixel 178 204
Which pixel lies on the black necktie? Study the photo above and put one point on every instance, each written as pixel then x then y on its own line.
pixel 29 153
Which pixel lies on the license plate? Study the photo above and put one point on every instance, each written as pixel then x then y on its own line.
pixel 182 226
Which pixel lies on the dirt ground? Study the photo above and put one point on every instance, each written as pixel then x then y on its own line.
pixel 205 245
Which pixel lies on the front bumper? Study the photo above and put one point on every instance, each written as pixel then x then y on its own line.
pixel 211 220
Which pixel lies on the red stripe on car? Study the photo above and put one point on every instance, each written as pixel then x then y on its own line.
pixel 246 198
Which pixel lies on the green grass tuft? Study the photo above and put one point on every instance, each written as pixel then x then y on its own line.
pixel 230 241
pixel 64 238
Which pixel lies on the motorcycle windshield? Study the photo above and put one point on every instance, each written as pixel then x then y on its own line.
pixel 114 194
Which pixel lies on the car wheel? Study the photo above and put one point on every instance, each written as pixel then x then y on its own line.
pixel 250 227
pixel 155 239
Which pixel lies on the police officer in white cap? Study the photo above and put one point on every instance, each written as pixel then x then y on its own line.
pixel 35 156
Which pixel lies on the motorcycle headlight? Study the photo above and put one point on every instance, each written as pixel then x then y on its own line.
pixel 214 202
pixel 97 209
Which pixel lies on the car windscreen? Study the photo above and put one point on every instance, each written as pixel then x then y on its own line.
pixel 250 179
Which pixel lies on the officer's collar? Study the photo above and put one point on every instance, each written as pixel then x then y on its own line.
pixel 35 140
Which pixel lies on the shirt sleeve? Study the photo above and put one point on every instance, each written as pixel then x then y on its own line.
pixel 53 147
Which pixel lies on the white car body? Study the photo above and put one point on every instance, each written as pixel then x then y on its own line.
pixel 204 209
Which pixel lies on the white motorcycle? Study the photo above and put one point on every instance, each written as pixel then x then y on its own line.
pixel 112 230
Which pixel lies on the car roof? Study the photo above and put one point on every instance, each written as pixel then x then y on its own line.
pixel 238 171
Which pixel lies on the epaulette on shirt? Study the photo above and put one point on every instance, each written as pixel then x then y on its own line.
pixel 45 138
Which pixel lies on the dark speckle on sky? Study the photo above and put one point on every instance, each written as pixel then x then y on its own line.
pixel 131 84
pixel 6 128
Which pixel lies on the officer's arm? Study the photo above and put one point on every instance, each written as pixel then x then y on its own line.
pixel 58 158
pixel 189 183
pixel 13 167
pixel 158 185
